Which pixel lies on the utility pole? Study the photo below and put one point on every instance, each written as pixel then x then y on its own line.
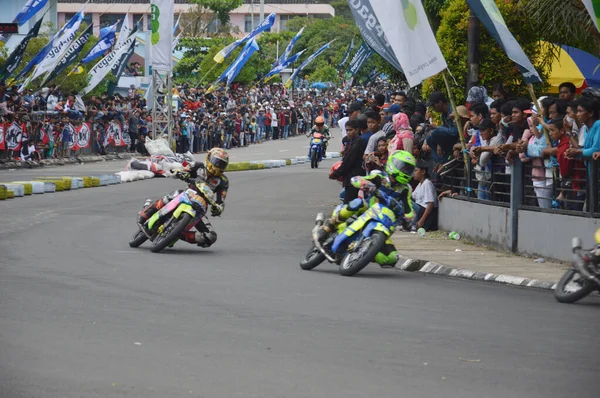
pixel 252 15
pixel 262 10
pixel 473 51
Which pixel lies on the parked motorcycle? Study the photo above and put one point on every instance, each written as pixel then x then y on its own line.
pixel 181 214
pixel 583 277
pixel 317 149
pixel 357 241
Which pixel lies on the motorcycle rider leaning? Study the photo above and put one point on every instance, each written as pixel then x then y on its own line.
pixel 211 173
pixel 395 183
pixel 320 128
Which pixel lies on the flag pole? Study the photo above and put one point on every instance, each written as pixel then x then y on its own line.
pixel 457 121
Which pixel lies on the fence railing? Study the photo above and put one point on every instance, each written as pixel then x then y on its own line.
pixel 539 186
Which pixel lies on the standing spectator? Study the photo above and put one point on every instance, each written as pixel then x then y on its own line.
pixel 352 162
pixel 133 130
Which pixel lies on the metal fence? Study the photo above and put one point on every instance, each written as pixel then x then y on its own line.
pixel 532 184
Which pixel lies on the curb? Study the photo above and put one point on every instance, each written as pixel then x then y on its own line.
pixel 429 267
pixel 62 162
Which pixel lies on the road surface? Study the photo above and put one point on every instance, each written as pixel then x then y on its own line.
pixel 84 315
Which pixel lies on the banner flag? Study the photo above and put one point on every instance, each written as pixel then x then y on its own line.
pixel 593 7
pixel 14 137
pixel 362 55
pixel 105 43
pixel 101 69
pixel 29 10
pixel 276 70
pixel 15 58
pixel 42 54
pixel 119 67
pixel 371 30
pixel 162 35
pixel 288 49
pixel 414 44
pixel 71 54
pixel 488 13
pixel 307 61
pixel 346 54
pixel 264 25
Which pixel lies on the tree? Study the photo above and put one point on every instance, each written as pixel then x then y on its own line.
pixel 195 23
pixel 494 65
pixel 571 26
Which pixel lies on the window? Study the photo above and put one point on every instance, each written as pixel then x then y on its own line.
pixel 111 19
pixel 213 27
pixel 138 19
pixel 283 21
pixel 248 25
pixel 87 18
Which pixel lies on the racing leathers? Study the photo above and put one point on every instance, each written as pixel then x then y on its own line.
pixel 401 205
pixel 205 235
pixel 323 130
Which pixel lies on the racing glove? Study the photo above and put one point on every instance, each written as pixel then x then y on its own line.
pixel 216 210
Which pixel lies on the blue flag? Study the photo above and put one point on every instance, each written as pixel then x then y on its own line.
pixel 488 13
pixel 277 69
pixel 232 71
pixel 42 54
pixel 307 61
pixel 288 49
pixel 29 10
pixel 264 25
pixel 105 43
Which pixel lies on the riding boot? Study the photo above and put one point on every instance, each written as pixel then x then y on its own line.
pixel 150 210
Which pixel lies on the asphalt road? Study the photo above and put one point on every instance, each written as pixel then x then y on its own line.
pixel 83 315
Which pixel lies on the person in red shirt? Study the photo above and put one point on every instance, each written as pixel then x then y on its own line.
pixel 268 118
pixel 560 144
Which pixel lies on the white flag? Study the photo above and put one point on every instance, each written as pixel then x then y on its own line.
pixel 124 32
pixel 101 69
pixel 162 35
pixel 58 50
pixel 407 28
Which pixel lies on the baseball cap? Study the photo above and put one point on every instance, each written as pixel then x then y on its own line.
pixel 436 97
pixel 394 108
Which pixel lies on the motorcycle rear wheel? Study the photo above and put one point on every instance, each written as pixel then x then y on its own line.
pixel 563 296
pixel 358 259
pixel 173 231
pixel 312 259
pixel 138 239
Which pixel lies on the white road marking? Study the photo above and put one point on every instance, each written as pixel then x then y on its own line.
pixel 284 150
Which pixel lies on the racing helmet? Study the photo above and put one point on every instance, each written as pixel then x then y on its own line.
pixel 319 121
pixel 400 166
pixel 217 160
pixel 333 169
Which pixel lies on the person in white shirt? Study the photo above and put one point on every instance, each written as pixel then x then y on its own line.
pixel 424 198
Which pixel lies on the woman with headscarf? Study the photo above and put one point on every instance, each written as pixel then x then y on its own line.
pixel 404 138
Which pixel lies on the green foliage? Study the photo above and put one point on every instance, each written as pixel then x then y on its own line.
pixel 433 9
pixel 327 73
pixel 494 65
pixel 220 7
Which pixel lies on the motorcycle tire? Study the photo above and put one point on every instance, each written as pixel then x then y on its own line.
pixel 313 160
pixel 174 230
pixel 359 258
pixel 562 296
pixel 312 259
pixel 138 239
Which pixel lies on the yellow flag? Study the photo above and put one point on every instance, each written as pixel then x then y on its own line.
pixel 76 71
pixel 210 89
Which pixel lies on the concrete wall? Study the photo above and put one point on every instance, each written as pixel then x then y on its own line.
pixel 549 235
pixel 478 222
pixel 541 234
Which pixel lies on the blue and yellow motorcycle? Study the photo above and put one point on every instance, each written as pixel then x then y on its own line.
pixel 360 240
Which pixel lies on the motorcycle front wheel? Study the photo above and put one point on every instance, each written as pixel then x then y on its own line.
pixel 361 256
pixel 171 232
pixel 312 259
pixel 314 159
pixel 138 239
pixel 572 287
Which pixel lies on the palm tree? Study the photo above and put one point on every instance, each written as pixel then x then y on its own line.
pixel 563 22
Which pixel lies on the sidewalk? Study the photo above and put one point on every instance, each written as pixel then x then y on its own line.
pixel 435 253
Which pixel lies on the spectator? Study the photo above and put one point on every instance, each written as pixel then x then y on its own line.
pixel 352 162
pixel 424 200
pixel 566 91
pixel 442 138
pixel 377 160
pixel 481 156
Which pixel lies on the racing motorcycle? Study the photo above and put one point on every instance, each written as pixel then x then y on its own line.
pixel 317 149
pixel 583 277
pixel 181 214
pixel 358 241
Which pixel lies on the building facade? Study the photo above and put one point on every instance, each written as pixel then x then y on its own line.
pixel 106 12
